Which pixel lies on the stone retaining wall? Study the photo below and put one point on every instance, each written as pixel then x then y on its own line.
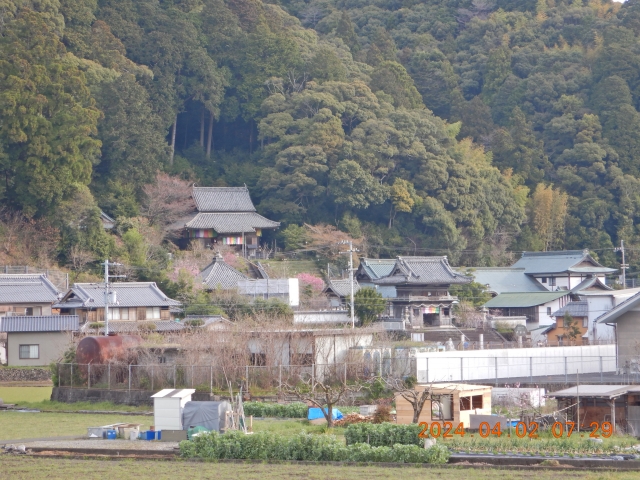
pixel 8 374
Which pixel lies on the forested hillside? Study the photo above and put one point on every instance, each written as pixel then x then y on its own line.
pixel 468 128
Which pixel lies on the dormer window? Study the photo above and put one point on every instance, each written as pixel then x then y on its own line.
pixel 543 280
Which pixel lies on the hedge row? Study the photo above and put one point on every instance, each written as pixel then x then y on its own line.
pixel 271 446
pixel 264 409
pixel 383 434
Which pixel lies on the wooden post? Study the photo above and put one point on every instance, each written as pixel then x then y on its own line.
pixel 613 415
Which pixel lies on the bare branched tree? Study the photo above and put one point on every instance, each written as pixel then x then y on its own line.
pixel 167 200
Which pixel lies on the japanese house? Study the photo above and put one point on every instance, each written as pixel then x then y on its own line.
pixel 538 307
pixel 129 302
pixel 338 291
pixel 625 317
pixel 572 331
pixel 224 216
pixel 26 294
pixel 219 275
pixel 448 402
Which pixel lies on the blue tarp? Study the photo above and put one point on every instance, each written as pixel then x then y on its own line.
pixel 316 413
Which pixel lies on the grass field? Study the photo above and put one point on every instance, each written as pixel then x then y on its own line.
pixel 24 394
pixel 15 467
pixel 16 425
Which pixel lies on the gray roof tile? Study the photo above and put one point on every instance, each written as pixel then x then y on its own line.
pixel 505 279
pixel 578 261
pixel 45 323
pixel 526 299
pixel 575 309
pixel 244 222
pixel 128 294
pixel 376 268
pixel 218 274
pixel 423 271
pixel 223 199
pixel 342 287
pixel 27 289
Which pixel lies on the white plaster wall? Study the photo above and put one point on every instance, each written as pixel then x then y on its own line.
pixel 515 362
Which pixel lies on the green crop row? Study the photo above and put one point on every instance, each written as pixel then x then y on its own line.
pixel 264 409
pixel 303 446
pixel 383 434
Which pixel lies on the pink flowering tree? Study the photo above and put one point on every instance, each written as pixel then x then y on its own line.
pixel 310 284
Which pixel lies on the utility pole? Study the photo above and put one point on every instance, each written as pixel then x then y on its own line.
pixel 623 266
pixel 106 265
pixel 350 252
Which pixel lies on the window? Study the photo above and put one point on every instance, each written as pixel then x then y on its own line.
pixel 258 359
pixel 153 313
pixel 114 314
pixel 33 311
pixel 441 407
pixel 585 322
pixel 124 314
pixel 476 402
pixel 549 311
pixel 29 351
pixel 552 281
pixel 465 403
pixel 543 280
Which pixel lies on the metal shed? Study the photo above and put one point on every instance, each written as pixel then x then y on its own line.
pixel 168 406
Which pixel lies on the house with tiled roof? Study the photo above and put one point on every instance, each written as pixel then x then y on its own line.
pixel 339 291
pixel 224 216
pixel 562 270
pixel 422 290
pixel 27 294
pixel 37 340
pixel 219 275
pixel 128 302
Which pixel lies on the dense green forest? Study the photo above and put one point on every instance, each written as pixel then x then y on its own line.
pixel 468 128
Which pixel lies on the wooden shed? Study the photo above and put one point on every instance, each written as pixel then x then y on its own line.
pixel 450 402
pixel 168 405
pixel 618 404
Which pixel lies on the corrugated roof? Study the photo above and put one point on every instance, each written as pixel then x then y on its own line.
pixel 575 261
pixel 231 222
pixel 223 199
pixel 423 271
pixel 575 309
pixel 342 287
pixel 128 294
pixel 597 391
pixel 218 274
pixel 119 326
pixel 45 323
pixel 272 286
pixel 26 288
pixel 171 393
pixel 376 268
pixel 525 299
pixel 504 280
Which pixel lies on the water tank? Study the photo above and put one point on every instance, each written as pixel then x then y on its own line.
pixel 99 350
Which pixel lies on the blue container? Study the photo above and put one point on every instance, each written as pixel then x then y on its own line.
pixel 148 435
pixel 159 435
pixel 111 434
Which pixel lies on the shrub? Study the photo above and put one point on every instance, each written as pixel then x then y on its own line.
pixel 383 434
pixel 303 446
pixel 264 409
pixel 383 412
